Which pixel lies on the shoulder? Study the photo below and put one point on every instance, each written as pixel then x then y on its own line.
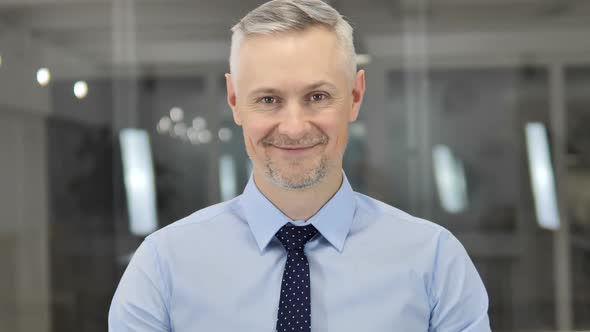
pixel 214 216
pixel 389 217
pixel 403 231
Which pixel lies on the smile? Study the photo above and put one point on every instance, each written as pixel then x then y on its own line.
pixel 294 150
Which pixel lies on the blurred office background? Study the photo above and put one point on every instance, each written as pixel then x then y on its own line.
pixel 113 123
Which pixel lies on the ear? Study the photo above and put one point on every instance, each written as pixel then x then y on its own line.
pixel 231 98
pixel 358 92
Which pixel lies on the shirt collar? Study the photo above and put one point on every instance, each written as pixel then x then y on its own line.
pixel 333 220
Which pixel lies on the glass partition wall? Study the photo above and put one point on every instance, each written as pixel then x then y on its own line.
pixel 114 123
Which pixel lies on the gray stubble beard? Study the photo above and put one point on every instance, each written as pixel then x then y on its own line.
pixel 318 174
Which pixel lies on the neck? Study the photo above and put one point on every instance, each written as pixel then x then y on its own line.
pixel 300 204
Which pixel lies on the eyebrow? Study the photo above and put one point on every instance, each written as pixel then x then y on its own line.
pixel 320 84
pixel 267 90
pixel 263 90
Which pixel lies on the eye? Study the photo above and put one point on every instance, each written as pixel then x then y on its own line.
pixel 318 96
pixel 268 100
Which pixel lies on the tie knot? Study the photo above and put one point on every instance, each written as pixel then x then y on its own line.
pixel 295 237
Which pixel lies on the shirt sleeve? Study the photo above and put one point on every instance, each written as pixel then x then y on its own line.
pixel 139 303
pixel 459 301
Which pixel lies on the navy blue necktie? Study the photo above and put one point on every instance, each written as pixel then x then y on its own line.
pixel 295 302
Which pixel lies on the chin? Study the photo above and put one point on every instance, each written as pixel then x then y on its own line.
pixel 296 178
pixel 296 183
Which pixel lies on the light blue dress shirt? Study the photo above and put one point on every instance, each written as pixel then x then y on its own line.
pixel 373 269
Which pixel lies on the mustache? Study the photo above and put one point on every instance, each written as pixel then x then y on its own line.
pixel 286 141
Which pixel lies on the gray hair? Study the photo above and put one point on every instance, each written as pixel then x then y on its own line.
pixel 279 16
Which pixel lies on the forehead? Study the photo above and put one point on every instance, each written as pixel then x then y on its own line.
pixel 291 58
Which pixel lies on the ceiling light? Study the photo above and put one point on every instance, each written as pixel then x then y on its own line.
pixel 199 123
pixel 81 89
pixel 224 134
pixel 180 130
pixel 193 135
pixel 176 114
pixel 164 125
pixel 205 136
pixel 43 76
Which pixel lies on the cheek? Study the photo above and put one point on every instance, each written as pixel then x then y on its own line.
pixel 337 131
pixel 341 142
pixel 254 132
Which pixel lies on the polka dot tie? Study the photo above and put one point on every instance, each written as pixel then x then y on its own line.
pixel 295 302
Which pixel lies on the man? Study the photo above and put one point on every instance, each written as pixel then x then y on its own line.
pixel 299 250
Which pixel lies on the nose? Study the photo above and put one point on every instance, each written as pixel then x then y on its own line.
pixel 294 122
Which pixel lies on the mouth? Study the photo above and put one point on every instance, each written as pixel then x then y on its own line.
pixel 294 151
pixel 294 147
